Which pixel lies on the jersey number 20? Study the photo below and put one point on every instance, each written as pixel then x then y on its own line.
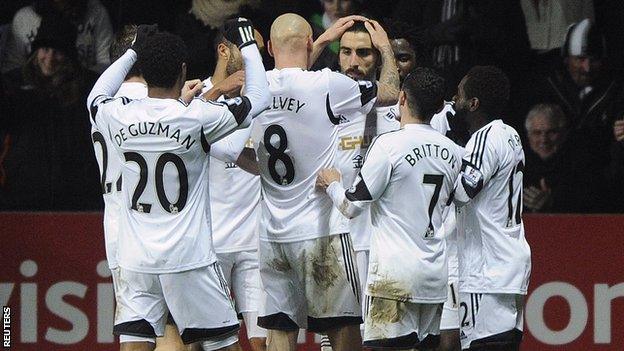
pixel 160 186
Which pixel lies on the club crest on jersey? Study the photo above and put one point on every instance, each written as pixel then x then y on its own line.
pixel 429 233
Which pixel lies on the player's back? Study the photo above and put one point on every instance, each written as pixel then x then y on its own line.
pixel 164 147
pixel 295 138
pixel 494 255
pixel 407 218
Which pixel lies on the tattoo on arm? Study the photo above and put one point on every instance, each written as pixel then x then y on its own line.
pixel 389 86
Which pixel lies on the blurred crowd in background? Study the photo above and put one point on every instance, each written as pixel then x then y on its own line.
pixel 564 58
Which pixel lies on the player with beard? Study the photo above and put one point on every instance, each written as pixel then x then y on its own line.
pixel 360 59
pixel 235 195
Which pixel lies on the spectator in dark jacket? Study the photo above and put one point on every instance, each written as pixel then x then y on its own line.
pixel 590 93
pixel 558 177
pixel 48 160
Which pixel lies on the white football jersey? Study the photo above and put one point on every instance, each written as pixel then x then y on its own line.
pixel 440 122
pixel 350 158
pixel 408 177
pixel 294 139
pixel 234 194
pixel 352 145
pixel 164 143
pixel 494 256
pixel 110 173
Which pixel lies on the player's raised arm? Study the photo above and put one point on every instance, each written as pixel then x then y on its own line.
pixel 389 79
pixel 240 32
pixel 367 187
pixel 331 34
pixel 109 82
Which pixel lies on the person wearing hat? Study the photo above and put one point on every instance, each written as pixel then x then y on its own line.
pixel 48 163
pixel 90 17
pixel 590 93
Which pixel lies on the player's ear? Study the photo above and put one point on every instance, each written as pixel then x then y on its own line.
pixel 270 48
pixel 183 73
pixel 402 98
pixel 223 51
pixel 474 104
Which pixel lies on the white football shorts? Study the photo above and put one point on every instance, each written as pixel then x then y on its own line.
pixel 311 284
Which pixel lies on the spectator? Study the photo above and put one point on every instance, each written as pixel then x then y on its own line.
pixel 90 18
pixel 558 176
pixel 590 93
pixel 48 160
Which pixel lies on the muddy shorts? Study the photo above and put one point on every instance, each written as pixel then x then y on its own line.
pixel 393 324
pixel 311 284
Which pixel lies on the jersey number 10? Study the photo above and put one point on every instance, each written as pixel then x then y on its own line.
pixel 518 212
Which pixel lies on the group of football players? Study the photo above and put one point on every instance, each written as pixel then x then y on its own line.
pixel 294 199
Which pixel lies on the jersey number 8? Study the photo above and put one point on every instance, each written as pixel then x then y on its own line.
pixel 278 153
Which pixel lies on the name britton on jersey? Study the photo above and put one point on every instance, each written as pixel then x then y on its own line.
pixel 151 128
pixel 286 103
pixel 426 150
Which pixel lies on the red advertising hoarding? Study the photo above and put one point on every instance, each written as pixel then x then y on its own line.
pixel 56 285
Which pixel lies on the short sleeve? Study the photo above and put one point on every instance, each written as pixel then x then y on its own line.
pixel 347 96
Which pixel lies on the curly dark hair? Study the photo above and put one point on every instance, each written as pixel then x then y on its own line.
pixel 424 89
pixel 123 41
pixel 160 59
pixel 403 30
pixel 490 85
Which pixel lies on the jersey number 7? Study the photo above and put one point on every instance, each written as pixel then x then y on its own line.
pixel 437 180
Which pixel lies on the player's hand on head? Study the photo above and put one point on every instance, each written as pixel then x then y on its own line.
pixel 340 26
pixel 326 176
pixel 191 89
pixel 144 31
pixel 232 85
pixel 379 37
pixel 239 31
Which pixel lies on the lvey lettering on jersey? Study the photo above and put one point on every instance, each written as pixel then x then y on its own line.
pixel 151 128
pixel 430 150
pixel 286 103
